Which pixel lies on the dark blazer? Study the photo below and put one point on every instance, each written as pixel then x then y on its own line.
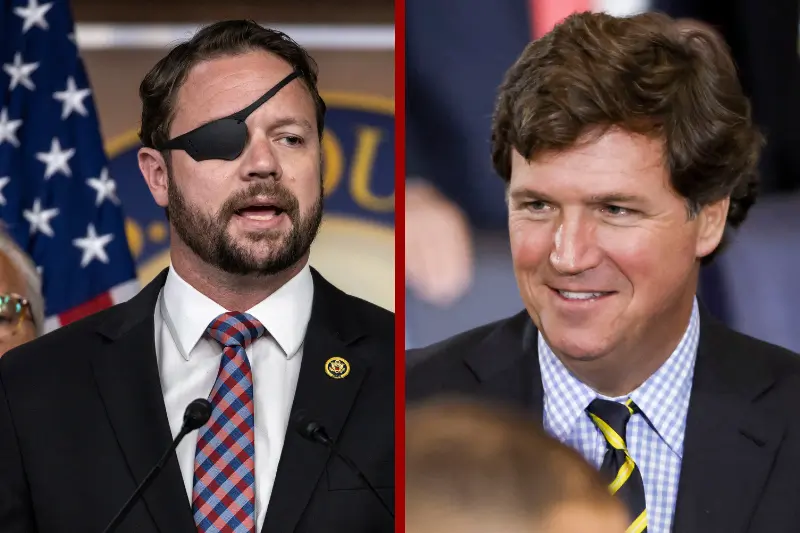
pixel 741 462
pixel 82 421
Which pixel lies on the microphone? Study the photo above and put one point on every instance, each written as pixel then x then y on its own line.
pixel 195 416
pixel 313 431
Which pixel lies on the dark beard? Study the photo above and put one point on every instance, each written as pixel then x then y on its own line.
pixel 207 237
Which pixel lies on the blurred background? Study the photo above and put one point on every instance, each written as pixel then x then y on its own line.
pixel 108 47
pixel 458 264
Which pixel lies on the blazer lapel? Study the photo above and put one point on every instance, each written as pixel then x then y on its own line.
pixel 506 365
pixel 127 378
pixel 323 398
pixel 731 440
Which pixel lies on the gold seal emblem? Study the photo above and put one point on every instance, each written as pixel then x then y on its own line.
pixel 337 368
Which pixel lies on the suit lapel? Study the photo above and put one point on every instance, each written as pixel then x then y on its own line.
pixel 731 440
pixel 506 365
pixel 323 398
pixel 729 434
pixel 127 378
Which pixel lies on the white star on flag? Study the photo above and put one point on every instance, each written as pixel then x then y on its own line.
pixel 3 182
pixel 40 219
pixel 93 246
pixel 57 160
pixel 33 15
pixel 20 73
pixel 72 99
pixel 105 187
pixel 8 128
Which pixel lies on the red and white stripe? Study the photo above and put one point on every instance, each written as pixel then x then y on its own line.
pixel 121 293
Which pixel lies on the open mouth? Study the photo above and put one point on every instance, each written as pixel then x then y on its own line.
pixel 260 211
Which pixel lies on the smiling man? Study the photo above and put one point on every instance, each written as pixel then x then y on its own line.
pixel 231 130
pixel 629 153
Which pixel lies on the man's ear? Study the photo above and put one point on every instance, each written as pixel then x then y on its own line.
pixel 155 172
pixel 712 219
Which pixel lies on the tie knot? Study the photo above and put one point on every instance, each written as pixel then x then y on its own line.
pixel 235 329
pixel 612 414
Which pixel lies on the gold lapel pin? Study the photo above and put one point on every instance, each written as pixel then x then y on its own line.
pixel 337 367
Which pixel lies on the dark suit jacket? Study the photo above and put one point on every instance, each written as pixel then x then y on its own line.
pixel 741 462
pixel 82 421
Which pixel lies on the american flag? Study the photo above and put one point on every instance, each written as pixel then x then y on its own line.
pixel 57 198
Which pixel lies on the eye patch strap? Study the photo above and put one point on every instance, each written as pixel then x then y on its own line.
pixel 239 116
pixel 244 113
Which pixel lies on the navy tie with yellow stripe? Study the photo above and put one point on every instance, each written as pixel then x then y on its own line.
pixel 625 480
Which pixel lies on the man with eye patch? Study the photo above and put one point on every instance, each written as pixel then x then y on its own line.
pixel 629 154
pixel 232 123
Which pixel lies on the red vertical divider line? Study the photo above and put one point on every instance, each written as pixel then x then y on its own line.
pixel 400 253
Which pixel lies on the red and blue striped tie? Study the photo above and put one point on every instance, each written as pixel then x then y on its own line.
pixel 223 498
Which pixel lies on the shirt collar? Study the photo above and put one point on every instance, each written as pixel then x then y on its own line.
pixel 663 397
pixel 284 314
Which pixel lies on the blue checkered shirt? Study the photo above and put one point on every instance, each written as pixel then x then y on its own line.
pixel 657 449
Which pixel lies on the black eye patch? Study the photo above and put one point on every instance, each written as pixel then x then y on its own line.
pixel 224 138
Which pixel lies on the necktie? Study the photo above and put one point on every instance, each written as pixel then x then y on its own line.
pixel 626 480
pixel 223 498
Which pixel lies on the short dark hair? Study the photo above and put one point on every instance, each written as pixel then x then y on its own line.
pixel 159 89
pixel 469 456
pixel 648 74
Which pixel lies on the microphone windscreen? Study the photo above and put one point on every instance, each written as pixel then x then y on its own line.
pixel 197 414
pixel 305 425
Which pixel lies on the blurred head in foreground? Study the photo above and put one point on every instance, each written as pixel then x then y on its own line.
pixel 474 468
pixel 628 148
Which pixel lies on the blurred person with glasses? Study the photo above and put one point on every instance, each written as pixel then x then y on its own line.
pixel 21 301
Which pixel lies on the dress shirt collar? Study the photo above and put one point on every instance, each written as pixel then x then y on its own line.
pixel 663 397
pixel 284 314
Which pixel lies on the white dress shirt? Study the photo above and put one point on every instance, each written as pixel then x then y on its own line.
pixel 188 363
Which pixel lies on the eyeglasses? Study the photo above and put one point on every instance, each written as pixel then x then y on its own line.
pixel 14 311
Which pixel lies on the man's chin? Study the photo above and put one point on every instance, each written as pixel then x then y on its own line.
pixel 273 237
pixel 256 269
pixel 581 354
pixel 579 346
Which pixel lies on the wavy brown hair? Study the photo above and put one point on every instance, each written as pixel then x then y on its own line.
pixel 647 74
